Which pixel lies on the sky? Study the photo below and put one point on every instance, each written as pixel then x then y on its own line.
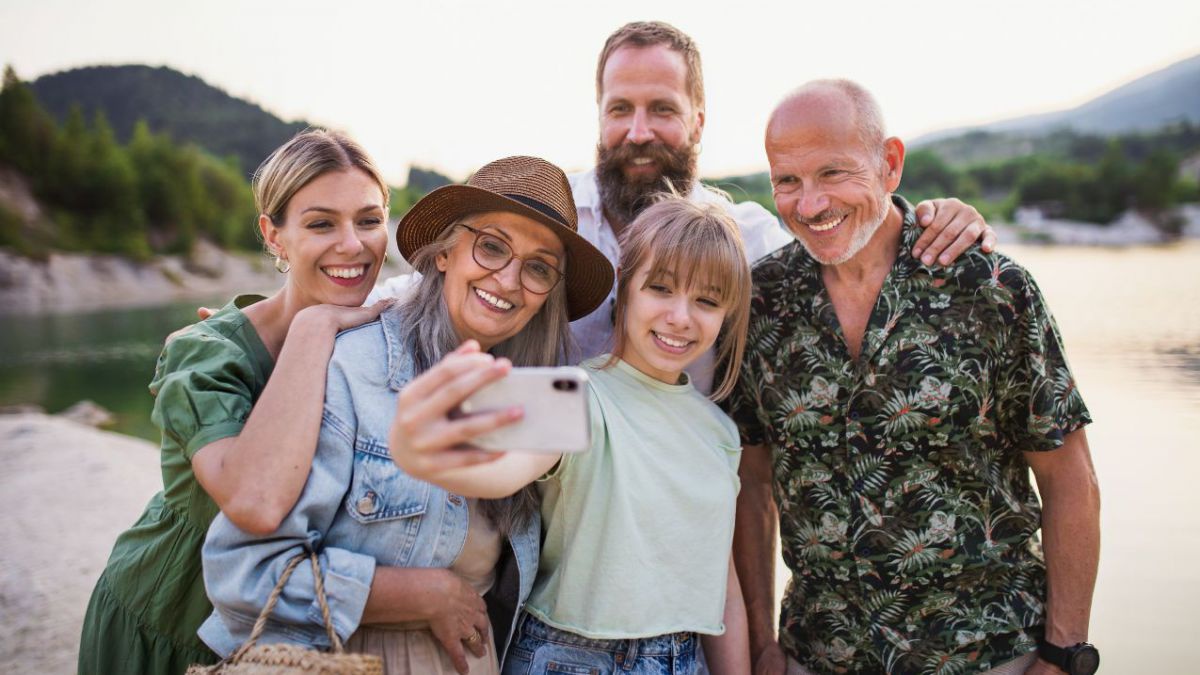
pixel 453 84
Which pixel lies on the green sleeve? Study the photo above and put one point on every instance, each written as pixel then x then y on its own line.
pixel 202 391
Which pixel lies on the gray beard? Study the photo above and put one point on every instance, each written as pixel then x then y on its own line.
pixel 860 239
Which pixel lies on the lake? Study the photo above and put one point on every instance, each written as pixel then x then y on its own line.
pixel 1131 322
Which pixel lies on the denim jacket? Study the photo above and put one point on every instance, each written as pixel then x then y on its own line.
pixel 358 510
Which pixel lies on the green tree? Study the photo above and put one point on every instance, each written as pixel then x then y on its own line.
pixel 27 132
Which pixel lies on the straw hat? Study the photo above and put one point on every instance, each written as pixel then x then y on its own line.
pixel 527 186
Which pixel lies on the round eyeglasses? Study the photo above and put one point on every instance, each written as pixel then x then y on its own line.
pixel 493 253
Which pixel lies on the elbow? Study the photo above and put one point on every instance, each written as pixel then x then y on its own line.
pixel 255 519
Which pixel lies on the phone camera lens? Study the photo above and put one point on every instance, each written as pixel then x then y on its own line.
pixel 565 385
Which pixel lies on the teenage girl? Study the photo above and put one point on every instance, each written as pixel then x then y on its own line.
pixel 637 531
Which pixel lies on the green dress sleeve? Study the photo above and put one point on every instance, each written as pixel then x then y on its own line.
pixel 202 390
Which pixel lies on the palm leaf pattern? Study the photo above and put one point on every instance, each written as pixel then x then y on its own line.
pixel 906 512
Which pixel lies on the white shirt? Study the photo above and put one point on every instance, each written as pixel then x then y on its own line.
pixel 761 234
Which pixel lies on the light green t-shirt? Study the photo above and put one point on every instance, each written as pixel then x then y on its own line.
pixel 638 529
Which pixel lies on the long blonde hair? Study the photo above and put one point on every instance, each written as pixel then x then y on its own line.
pixel 695 244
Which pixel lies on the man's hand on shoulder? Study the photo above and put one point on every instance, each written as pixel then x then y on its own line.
pixel 951 227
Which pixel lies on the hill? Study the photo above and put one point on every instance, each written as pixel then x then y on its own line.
pixel 183 106
pixel 1167 96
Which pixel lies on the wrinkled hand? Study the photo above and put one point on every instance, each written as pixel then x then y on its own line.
pixel 423 440
pixel 951 227
pixel 770 660
pixel 1041 667
pixel 460 621
pixel 340 318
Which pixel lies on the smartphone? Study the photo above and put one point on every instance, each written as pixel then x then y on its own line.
pixel 555 401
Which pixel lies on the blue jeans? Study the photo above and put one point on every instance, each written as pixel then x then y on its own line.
pixel 539 649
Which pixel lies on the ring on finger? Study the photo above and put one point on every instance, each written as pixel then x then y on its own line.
pixel 475 637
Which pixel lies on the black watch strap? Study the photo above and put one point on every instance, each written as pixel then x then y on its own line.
pixel 1078 659
pixel 1054 655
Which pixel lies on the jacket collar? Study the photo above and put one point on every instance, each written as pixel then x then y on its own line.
pixel 400 364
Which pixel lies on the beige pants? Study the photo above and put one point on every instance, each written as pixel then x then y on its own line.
pixel 1015 667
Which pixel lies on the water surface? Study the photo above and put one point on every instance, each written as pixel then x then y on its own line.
pixel 1131 322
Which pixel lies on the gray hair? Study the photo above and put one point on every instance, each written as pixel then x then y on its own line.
pixel 539 343
pixel 429 333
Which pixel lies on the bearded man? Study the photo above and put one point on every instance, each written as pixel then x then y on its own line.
pixel 894 411
pixel 650 95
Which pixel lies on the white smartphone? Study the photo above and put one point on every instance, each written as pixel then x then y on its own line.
pixel 555 401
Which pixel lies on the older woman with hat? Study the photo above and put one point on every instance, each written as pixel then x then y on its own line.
pixel 503 271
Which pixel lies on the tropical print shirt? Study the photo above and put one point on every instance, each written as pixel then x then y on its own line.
pixel 906 512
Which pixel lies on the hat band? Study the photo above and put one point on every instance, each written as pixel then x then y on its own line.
pixel 540 207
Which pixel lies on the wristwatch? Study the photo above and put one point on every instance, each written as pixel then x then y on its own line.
pixel 1080 659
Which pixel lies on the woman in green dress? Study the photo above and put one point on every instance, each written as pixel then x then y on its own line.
pixel 238 398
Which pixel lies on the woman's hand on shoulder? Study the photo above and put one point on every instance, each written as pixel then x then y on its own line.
pixel 339 318
pixel 425 439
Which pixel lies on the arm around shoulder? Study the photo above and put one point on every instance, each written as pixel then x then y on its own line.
pixel 255 476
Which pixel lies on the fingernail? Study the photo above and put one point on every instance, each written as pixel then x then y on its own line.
pixel 945 260
pixel 927 259
pixel 917 252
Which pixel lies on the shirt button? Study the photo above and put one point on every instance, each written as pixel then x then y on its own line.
pixel 456 500
pixel 366 505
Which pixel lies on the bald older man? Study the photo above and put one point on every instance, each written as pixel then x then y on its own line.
pixel 895 410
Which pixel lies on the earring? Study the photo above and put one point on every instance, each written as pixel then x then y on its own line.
pixel 385 257
pixel 281 264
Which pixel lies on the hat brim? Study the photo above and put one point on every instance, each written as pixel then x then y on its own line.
pixel 588 277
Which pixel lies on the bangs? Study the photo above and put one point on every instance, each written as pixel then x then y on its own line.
pixel 700 254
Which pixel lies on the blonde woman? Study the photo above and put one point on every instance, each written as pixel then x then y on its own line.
pixel 238 402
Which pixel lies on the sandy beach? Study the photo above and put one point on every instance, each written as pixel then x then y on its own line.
pixel 67 491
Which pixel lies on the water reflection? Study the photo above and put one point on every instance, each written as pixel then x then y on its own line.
pixel 108 357
pixel 1131 322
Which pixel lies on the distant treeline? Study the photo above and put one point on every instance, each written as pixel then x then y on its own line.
pixel 1066 174
pixel 147 196
pixel 182 106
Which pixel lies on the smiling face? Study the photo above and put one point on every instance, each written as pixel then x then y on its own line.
pixel 649 127
pixel 832 190
pixel 334 236
pixel 492 306
pixel 669 325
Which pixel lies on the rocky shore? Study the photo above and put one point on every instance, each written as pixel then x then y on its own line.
pixel 66 490
pixel 71 282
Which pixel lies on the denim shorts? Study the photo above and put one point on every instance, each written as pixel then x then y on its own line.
pixel 539 649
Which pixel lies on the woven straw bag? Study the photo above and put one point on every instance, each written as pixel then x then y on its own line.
pixel 284 659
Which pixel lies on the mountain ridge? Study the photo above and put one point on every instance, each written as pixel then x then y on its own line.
pixel 1167 95
pixel 183 106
